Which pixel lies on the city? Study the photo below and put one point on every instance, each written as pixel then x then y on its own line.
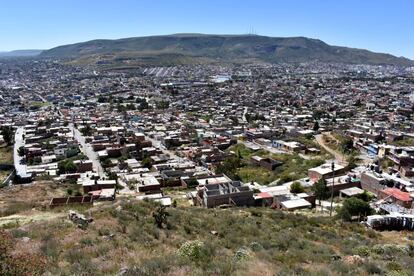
pixel 130 165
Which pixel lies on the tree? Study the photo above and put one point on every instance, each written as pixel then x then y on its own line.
pixel 87 130
pixel 143 105
pixel 160 216
pixel 229 167
pixel 354 207
pixel 70 167
pixel 358 103
pixel 66 167
pixel 352 161
pixel 146 162
pixel 162 104
pixel 347 145
pixel 316 126
pixel 320 190
pixel 296 188
pixel 21 151
pixel 7 133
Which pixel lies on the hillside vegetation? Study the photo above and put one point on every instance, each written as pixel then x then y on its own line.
pixel 196 241
pixel 196 48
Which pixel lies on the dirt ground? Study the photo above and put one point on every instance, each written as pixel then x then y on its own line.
pixel 20 198
pixel 6 155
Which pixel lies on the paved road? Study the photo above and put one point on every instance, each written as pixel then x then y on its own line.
pixel 86 149
pixel 41 97
pixel 21 169
pixel 157 144
pixel 244 114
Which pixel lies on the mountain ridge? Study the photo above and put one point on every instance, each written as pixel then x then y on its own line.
pixel 21 53
pixel 222 47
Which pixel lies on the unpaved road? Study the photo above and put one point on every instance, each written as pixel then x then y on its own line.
pixel 339 157
pixel 32 216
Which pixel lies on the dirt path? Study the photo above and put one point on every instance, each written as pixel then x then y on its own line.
pixel 32 216
pixel 339 157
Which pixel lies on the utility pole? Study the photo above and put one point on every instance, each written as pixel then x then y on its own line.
pixel 332 187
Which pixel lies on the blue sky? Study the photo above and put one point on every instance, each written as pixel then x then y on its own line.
pixel 377 25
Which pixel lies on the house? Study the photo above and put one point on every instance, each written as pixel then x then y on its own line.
pixel 267 163
pixel 397 196
pixel 402 157
pixel 48 159
pixel 288 146
pixel 372 182
pixel 215 192
pixel 350 192
pixel 144 182
pixel 83 165
pixel 325 171
pixel 292 202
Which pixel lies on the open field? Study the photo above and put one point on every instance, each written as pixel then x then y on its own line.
pixel 293 166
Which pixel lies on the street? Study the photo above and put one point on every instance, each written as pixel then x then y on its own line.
pixel 87 149
pixel 21 169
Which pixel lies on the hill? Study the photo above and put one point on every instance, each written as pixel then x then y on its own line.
pixel 190 48
pixel 21 53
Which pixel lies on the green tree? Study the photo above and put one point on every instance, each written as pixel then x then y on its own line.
pixel 21 151
pixel 66 167
pixel 352 161
pixel 347 145
pixel 87 130
pixel 354 207
pixel 320 190
pixel 162 104
pixel 7 133
pixel 70 167
pixel 316 126
pixel 146 162
pixel 296 188
pixel 229 167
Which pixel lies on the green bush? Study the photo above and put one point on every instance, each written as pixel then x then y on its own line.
pixel 192 250
pixel 296 188
pixel 241 254
pixel 354 207
pixel 362 251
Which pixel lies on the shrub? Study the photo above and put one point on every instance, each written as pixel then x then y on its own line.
pixel 362 251
pixel 160 216
pixel 50 247
pixel 18 264
pixel 192 250
pixel 372 268
pixel 296 188
pixel 241 255
pixel 354 207
pixel 394 266
pixel 255 246
pixel 390 250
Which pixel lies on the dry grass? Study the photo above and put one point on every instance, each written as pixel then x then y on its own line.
pixel 19 198
pixel 3 175
pixel 123 234
pixel 6 155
